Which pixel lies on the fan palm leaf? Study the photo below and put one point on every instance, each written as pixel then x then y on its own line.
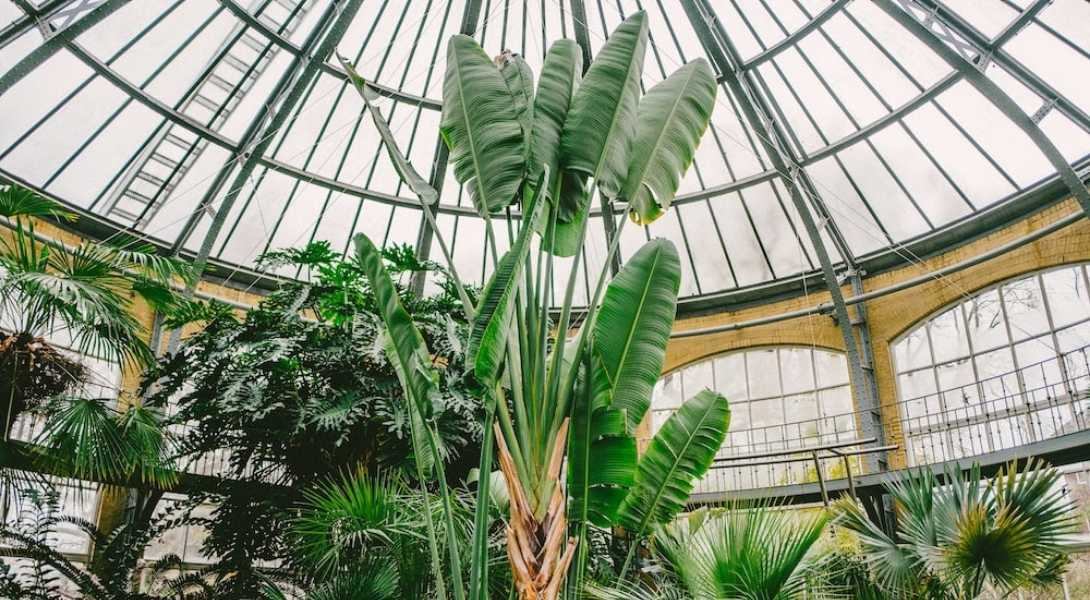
pixel 970 534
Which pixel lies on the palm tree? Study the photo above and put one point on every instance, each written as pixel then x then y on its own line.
pixel 44 573
pixel 958 538
pixel 86 439
pixel 757 553
pixel 357 528
pixel 84 294
pixel 552 401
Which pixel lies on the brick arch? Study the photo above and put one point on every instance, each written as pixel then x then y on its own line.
pixel 723 352
pixel 991 283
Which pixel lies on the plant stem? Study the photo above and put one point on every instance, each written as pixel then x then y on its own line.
pixel 433 541
pixel 478 576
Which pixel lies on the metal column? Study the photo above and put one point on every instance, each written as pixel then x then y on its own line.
pixel 438 175
pixel 257 138
pixel 760 118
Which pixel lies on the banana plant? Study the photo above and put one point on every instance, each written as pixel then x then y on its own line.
pixel 561 398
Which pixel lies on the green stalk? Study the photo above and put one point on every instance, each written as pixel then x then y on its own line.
pixel 467 306
pixel 478 575
pixel 448 512
pixel 507 427
pixel 433 542
pixel 564 389
pixel 565 319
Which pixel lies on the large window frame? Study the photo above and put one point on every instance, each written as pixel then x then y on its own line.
pixel 808 380
pixel 966 390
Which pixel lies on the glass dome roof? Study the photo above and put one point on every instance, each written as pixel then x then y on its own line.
pixel 144 115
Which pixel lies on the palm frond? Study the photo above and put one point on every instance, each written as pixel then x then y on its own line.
pixel 759 553
pixel 342 518
pixel 17 201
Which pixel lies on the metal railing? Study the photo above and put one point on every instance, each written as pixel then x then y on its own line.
pixel 843 454
pixel 1035 402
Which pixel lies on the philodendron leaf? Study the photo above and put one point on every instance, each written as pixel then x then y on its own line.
pixel 481 127
pixel 560 77
pixel 602 120
pixel 633 326
pixel 679 455
pixel 673 116
pixel 406 348
pixel 404 168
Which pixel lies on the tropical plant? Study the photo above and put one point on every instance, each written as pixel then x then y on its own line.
pixel 758 553
pixel 40 572
pixel 963 536
pixel 83 294
pixel 359 527
pixel 548 400
pixel 298 390
pixel 86 439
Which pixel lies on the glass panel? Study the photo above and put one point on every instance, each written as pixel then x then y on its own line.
pixel 984 318
pixel 670 394
pixel 730 376
pixel 1067 295
pixel 948 338
pixel 913 351
pixel 698 377
pixel 1025 308
pixel 763 373
pixel 797 369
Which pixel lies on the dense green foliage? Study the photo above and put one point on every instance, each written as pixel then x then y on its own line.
pixel 84 294
pixel 297 390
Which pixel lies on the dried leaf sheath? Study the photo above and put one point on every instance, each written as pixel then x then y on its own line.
pixel 540 551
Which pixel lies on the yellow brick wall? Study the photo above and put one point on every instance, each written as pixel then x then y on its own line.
pixel 890 316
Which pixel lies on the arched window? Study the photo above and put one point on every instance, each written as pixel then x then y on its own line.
pixel 74 498
pixel 1006 367
pixel 780 397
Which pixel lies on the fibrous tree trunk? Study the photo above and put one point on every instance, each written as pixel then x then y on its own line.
pixel 539 549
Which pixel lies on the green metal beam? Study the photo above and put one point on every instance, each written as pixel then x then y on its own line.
pixel 470 19
pixel 990 90
pixel 760 119
pixel 54 44
pixel 256 140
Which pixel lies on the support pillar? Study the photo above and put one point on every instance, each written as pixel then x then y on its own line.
pixel 801 190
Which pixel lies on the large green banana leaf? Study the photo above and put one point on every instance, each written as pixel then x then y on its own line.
pixel 481 127
pixel 601 459
pixel 520 82
pixel 405 342
pixel 673 116
pixel 488 337
pixel 560 76
pixel 633 326
pixel 418 430
pixel 565 238
pixel 404 168
pixel 679 454
pixel 602 119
